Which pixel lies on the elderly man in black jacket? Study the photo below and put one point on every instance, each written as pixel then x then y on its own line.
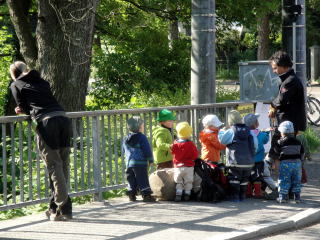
pixel 289 105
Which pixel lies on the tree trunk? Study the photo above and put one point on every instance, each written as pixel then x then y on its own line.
pixel 263 38
pixel 19 17
pixel 65 34
pixel 173 32
pixel 62 48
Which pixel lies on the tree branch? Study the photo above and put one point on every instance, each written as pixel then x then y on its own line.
pixel 158 12
pixel 19 16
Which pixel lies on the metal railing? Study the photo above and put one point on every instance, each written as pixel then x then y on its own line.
pixel 96 161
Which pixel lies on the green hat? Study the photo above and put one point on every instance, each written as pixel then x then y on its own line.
pixel 165 115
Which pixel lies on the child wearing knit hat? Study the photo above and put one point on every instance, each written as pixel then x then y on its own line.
pixel 262 137
pixel 240 152
pixel 162 139
pixel 291 152
pixel 138 156
pixel 184 153
pixel 210 145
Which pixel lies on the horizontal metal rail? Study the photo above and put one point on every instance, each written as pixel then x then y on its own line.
pixel 96 161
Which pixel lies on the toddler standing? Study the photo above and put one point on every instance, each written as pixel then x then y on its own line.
pixel 184 153
pixel 162 139
pixel 137 155
pixel 291 152
pixel 240 153
pixel 211 146
pixel 251 120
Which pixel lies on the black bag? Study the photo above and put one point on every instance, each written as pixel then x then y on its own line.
pixel 210 191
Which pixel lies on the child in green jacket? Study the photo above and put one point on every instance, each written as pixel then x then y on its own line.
pixel 163 139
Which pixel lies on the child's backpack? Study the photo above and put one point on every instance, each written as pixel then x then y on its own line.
pixel 210 190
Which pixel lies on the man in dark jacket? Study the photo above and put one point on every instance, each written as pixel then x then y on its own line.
pixel 289 105
pixel 34 97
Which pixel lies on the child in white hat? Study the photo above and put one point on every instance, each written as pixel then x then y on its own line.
pixel 291 152
pixel 210 145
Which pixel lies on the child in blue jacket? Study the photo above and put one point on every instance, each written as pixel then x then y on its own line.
pixel 251 120
pixel 138 156
pixel 240 153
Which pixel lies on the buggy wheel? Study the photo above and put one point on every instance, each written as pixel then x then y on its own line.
pixel 313 111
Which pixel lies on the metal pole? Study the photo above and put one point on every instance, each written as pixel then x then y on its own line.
pixel 287 36
pixel 294 46
pixel 301 67
pixel 294 35
pixel 203 52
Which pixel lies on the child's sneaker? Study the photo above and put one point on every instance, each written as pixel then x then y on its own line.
pixel 148 198
pixel 297 198
pixel 59 217
pixel 178 198
pixel 132 197
pixel 271 196
pixel 282 198
pixel 279 200
pixel 186 197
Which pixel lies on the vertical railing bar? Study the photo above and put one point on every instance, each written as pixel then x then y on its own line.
pixel 81 153
pixel 193 123
pixel 145 122
pixel 152 168
pixel 96 158
pixel 13 164
pixel 122 155
pixel 75 153
pixel 88 151
pixel 30 161
pixel 110 151
pixel 21 163
pixel 4 163
pixel 38 173
pixel 150 129
pixel 115 149
pixel 103 152
pixel 46 182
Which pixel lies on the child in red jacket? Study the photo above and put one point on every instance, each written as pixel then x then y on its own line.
pixel 184 153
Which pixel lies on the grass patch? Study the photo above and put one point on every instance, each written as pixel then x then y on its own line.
pixel 313 139
pixel 38 208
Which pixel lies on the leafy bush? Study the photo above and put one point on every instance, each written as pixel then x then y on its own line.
pixel 313 139
pixel 224 94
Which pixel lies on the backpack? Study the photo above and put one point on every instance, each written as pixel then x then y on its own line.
pixel 210 190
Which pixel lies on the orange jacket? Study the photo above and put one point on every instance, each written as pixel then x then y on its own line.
pixel 211 146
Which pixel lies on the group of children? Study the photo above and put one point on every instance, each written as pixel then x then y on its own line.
pixel 248 170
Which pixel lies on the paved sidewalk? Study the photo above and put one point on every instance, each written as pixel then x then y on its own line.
pixel 120 219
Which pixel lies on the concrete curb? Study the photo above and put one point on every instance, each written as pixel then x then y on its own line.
pixel 304 218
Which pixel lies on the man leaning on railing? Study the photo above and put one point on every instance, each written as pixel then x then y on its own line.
pixel 34 97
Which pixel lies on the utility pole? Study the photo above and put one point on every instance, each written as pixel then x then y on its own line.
pixel 294 34
pixel 203 52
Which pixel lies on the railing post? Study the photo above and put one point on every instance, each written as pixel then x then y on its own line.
pixel 96 158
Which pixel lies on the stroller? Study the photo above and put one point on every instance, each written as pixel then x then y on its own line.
pixel 213 181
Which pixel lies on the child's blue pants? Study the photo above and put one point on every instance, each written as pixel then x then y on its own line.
pixel 290 176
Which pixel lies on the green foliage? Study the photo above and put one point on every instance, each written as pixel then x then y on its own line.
pixel 226 94
pixel 6 52
pixel 134 57
pixel 313 139
pixel 313 22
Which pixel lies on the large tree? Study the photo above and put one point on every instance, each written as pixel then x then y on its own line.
pixel 61 46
